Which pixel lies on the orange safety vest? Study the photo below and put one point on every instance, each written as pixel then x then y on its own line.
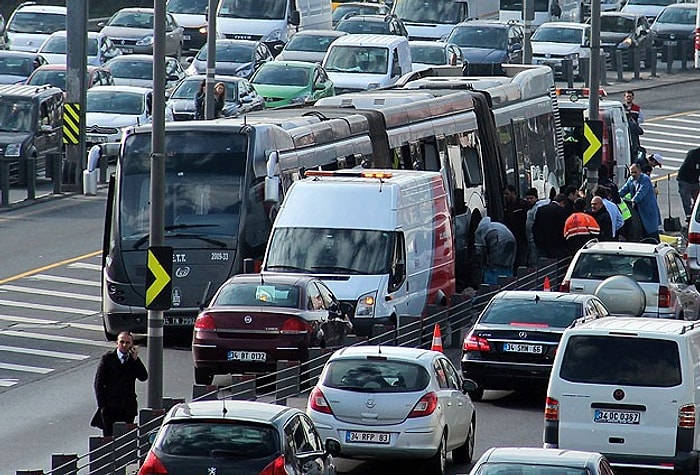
pixel 580 224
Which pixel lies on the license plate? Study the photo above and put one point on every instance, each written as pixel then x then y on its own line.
pixel 127 50
pixel 522 348
pixel 368 437
pixel 96 138
pixel 616 417
pixel 186 37
pixel 255 356
pixel 179 320
pixel 670 43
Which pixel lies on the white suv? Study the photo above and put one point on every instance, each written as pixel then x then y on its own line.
pixel 629 389
pixel 657 268
pixel 553 42
pixel 30 24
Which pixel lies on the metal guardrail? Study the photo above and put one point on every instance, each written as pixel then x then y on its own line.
pixel 122 453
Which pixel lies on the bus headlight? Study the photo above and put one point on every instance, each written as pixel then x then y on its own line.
pixel 365 305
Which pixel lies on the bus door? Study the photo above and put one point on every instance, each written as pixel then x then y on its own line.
pixel 529 174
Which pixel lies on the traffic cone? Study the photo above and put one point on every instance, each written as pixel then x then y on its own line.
pixel 437 339
pixel 547 287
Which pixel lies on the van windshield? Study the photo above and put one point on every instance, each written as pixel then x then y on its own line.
pixel 253 9
pixel 357 59
pixel 621 360
pixel 431 12
pixel 331 251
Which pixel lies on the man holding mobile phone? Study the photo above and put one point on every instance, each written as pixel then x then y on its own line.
pixel 115 385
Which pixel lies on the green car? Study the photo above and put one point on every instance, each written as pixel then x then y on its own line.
pixel 284 83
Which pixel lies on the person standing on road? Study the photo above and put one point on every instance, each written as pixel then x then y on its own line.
pixel 631 108
pixel 514 217
pixel 533 204
pixel 115 385
pixel 200 101
pixel 580 227
pixel 600 212
pixel 689 181
pixel 644 201
pixel 548 229
pixel 496 247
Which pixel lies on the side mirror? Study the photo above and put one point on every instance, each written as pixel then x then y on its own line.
pixel 45 129
pixel 469 385
pixel 101 24
pixel 295 18
pixel 333 446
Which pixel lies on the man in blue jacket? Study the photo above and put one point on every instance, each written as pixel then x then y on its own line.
pixel 639 185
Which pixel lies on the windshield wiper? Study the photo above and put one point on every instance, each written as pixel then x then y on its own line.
pixel 348 270
pixel 288 268
pixel 172 227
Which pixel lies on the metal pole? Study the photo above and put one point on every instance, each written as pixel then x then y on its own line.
pixel 594 70
pixel 528 16
pixel 76 89
pixel 211 58
pixel 157 232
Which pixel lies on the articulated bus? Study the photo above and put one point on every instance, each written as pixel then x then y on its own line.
pixel 226 178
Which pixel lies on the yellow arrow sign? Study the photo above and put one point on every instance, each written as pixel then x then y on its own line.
pixel 161 278
pixel 594 143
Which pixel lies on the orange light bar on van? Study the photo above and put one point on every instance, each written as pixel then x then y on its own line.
pixel 380 175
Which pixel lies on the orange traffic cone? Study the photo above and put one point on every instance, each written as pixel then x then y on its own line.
pixel 437 339
pixel 547 287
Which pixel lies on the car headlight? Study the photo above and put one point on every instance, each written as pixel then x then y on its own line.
pixel 145 41
pixel 572 56
pixel 274 35
pixel 365 305
pixel 13 150
pixel 245 71
pixel 372 85
pixel 299 100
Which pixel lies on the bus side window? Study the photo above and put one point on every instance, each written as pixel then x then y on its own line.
pixel 472 167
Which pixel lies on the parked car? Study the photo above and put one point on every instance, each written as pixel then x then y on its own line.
pixel 675 24
pixel 426 54
pixel 372 24
pixel 485 43
pixel 284 83
pixel 17 66
pixel 395 402
pixel 241 97
pixel 648 8
pixel 30 24
pixel 137 70
pixel 55 75
pixel 625 32
pixel 192 16
pixel 100 48
pixel 309 45
pixel 241 437
pixel 513 341
pixel 233 58
pixel 131 30
pixel 657 271
pixel 253 322
pixel 554 42
pixel 358 8
pixel 536 461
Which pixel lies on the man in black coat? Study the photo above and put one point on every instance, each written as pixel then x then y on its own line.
pixel 689 180
pixel 548 229
pixel 115 384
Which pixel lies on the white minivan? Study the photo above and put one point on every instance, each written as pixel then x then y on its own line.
pixel 628 388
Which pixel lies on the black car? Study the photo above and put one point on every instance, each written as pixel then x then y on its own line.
pixel 31 127
pixel 241 437
pixel 513 342
pixel 372 24
pixel 233 57
pixel 486 43
pixel 17 66
pixel 675 27
pixel 625 32
pixel 241 97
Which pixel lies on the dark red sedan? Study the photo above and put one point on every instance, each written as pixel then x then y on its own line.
pixel 254 320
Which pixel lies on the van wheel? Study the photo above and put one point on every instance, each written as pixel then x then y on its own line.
pixel 109 336
pixel 437 463
pixel 465 452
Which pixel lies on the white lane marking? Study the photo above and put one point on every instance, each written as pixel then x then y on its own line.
pixel 58 338
pixel 41 321
pixel 25 369
pixel 50 308
pixel 665 141
pixel 7 382
pixel 37 352
pixel 682 121
pixel 65 280
pixel 668 126
pixel 672 135
pixel 85 265
pixel 50 293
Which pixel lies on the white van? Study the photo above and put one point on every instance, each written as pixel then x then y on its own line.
pixel 380 239
pixel 435 19
pixel 273 22
pixel 360 62
pixel 628 388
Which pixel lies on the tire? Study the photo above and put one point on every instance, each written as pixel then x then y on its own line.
pixel 436 464
pixel 465 452
pixel 203 376
pixel 477 394
pixel 109 336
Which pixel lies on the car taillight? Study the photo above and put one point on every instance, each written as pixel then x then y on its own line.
pixel 565 286
pixel 664 297
pixel 551 409
pixel 205 322
pixel 295 325
pixel 476 343
pixel 425 406
pixel 317 402
pixel 152 465
pixel 276 467
pixel 686 416
pixel 693 238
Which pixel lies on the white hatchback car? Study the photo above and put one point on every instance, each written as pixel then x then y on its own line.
pixel 394 402
pixel 556 41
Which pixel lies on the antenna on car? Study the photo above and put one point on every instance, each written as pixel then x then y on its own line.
pixel 224 411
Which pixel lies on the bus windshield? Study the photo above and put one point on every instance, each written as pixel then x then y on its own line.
pixel 330 251
pixel 204 172
pixel 430 11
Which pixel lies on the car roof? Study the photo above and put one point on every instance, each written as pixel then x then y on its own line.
pixel 42 8
pixel 369 39
pixel 133 57
pixel 687 6
pixel 423 43
pixel 639 326
pixel 250 411
pixel 335 33
pixel 19 54
pixel 564 24
pixel 623 14
pixel 393 352
pixel 365 17
pixel 289 279
pixel 632 247
pixel 136 9
pixel 545 296
pixel 570 458
pixel 121 88
pixel 64 67
pixel 497 23
pixel 292 63
pixel 17 90
pixel 217 77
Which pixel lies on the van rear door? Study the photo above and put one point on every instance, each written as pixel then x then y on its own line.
pixel 620 394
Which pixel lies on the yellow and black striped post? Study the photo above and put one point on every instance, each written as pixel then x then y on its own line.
pixel 71 123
